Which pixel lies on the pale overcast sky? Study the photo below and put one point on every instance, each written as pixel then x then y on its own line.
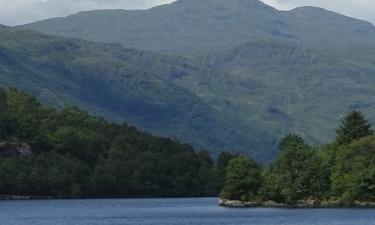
pixel 14 12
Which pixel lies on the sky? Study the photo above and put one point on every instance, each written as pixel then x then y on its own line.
pixel 16 12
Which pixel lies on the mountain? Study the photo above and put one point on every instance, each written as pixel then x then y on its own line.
pixel 125 85
pixel 292 89
pixel 191 27
pixel 251 74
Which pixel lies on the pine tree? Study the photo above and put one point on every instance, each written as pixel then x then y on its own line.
pixel 353 127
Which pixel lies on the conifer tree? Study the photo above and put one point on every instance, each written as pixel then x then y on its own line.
pixel 353 127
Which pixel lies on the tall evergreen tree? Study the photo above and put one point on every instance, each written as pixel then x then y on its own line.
pixel 353 127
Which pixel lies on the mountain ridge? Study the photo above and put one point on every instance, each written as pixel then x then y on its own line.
pixel 191 27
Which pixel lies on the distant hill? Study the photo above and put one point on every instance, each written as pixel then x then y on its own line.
pixel 196 26
pixel 125 85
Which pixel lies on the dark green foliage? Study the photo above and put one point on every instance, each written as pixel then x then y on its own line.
pixel 3 110
pixel 353 127
pixel 342 173
pixel 291 141
pixel 353 173
pixel 295 174
pixel 242 180
pixel 74 154
pixel 224 158
pixel 221 168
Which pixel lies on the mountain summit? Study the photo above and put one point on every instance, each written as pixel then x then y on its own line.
pixel 201 26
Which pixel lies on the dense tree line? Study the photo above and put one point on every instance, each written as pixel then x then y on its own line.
pixel 342 172
pixel 73 154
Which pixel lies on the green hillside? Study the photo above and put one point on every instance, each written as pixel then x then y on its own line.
pixel 243 99
pixel 291 89
pixel 137 87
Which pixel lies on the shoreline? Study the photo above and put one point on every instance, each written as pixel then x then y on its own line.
pixel 19 197
pixel 301 204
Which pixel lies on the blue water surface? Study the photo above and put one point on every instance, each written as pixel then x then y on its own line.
pixel 194 211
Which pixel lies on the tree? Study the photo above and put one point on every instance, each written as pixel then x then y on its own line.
pixel 220 169
pixel 353 127
pixel 224 159
pixel 3 102
pixel 242 180
pixel 294 174
pixel 289 141
pixel 4 128
pixel 353 174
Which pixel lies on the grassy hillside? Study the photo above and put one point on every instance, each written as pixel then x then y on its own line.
pixel 291 89
pixel 137 87
pixel 195 26
pixel 243 99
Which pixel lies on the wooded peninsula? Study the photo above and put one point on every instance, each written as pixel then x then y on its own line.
pixel 339 174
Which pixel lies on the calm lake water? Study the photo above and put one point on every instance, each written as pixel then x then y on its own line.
pixel 201 211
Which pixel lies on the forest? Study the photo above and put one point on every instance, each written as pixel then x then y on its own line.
pixel 341 173
pixel 67 153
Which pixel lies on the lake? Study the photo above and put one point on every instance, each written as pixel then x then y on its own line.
pixel 194 211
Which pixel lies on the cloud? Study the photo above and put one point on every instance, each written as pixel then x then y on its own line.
pixel 15 12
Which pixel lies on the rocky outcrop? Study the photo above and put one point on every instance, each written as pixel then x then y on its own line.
pixel 364 204
pixel 14 197
pixel 237 203
pixel 14 148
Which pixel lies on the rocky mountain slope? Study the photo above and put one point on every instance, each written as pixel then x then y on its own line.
pixel 201 26
pixel 132 86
